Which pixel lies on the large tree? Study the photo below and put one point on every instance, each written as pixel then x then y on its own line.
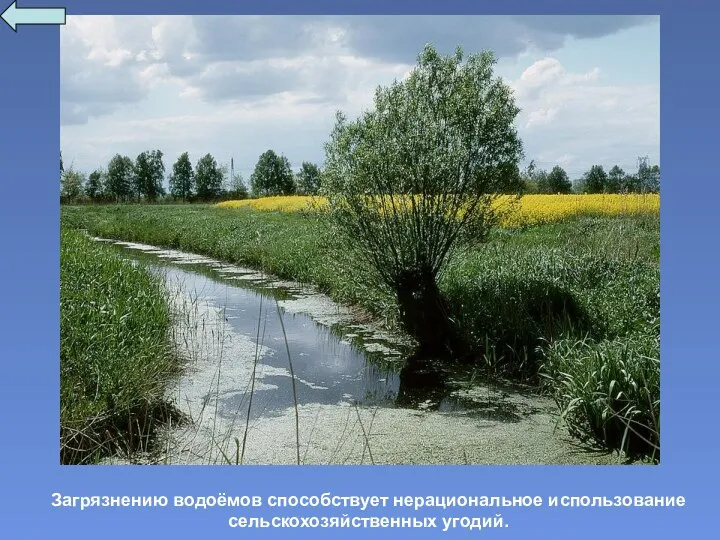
pixel 182 178
pixel 308 179
pixel 208 179
pixel 149 175
pixel 595 180
pixel 558 181
pixel 413 179
pixel 272 176
pixel 615 180
pixel 119 178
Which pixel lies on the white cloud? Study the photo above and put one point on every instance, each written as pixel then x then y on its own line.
pixel 241 85
pixel 570 118
pixel 540 117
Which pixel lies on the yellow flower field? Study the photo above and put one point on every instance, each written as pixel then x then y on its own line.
pixel 529 210
pixel 293 203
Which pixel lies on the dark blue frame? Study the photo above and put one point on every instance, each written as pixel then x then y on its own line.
pixel 29 322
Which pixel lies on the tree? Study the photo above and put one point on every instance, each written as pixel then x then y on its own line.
pixel 595 179
pixel 615 180
pixel 272 176
pixel 149 175
pixel 208 179
pixel 308 179
pixel 94 187
pixel 413 180
pixel 119 178
pixel 542 181
pixel 71 185
pixel 654 179
pixel 558 181
pixel 236 188
pixel 579 185
pixel 528 178
pixel 182 177
pixel 648 178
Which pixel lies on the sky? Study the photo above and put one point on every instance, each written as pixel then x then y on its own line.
pixel 588 86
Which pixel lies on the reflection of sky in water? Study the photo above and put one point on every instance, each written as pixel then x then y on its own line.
pixel 328 369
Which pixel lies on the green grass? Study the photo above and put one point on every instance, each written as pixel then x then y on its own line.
pixel 593 278
pixel 563 299
pixel 115 352
pixel 609 391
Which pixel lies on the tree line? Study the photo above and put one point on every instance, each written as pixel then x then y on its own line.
pixel 595 180
pixel 143 179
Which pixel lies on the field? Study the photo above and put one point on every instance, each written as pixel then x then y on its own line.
pixel 528 211
pixel 565 295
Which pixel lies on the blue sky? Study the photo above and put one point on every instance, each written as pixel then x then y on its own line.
pixel 589 86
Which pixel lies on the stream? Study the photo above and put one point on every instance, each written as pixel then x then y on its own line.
pixel 337 398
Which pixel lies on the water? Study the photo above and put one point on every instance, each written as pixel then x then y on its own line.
pixel 348 404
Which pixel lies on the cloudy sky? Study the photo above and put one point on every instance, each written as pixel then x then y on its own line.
pixel 588 86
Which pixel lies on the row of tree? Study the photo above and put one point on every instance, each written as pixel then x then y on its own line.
pixel 595 180
pixel 125 180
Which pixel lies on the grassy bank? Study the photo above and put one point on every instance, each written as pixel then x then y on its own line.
pixel 115 352
pixel 576 300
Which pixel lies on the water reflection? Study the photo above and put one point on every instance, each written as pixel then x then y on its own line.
pixel 332 364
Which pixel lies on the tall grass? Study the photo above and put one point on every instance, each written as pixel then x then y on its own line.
pixel 609 391
pixel 115 352
pixel 594 278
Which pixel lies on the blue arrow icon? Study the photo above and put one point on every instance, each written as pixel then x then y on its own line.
pixel 14 15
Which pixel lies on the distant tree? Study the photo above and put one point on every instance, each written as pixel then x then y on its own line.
pixel 308 179
pixel 558 181
pixel 71 185
pixel 615 180
pixel 578 185
pixel 237 190
pixel 528 178
pixel 208 179
pixel 649 178
pixel 630 184
pixel 542 181
pixel 62 167
pixel 94 185
pixel 272 176
pixel 149 175
pixel 119 178
pixel 655 178
pixel 182 178
pixel 595 179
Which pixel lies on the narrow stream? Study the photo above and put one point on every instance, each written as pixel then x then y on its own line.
pixel 347 404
